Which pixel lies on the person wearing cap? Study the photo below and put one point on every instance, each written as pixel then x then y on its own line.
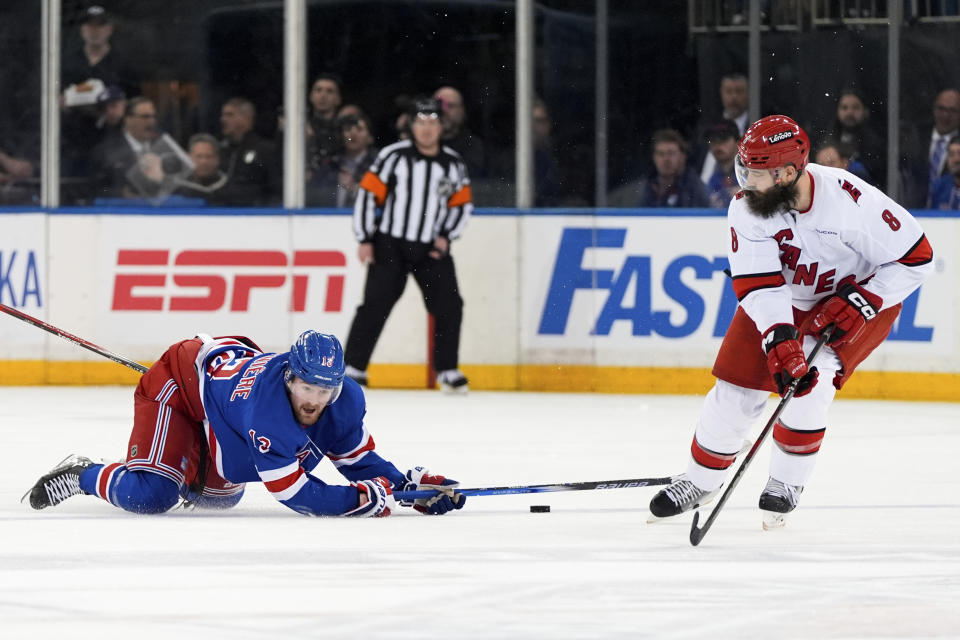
pixel 413 203
pixel 96 56
pixel 722 185
pixel 815 254
pixel 112 103
pixel 213 414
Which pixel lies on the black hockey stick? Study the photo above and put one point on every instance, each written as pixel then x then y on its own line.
pixel 541 488
pixel 696 534
pixel 16 313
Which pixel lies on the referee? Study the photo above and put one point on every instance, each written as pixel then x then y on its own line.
pixel 412 203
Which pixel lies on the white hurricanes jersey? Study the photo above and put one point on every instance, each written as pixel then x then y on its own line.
pixel 851 232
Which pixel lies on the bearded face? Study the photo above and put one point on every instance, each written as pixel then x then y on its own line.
pixel 777 199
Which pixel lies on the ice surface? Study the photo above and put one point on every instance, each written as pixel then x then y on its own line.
pixel 872 552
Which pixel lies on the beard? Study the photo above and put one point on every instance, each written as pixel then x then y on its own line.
pixel 780 198
pixel 307 414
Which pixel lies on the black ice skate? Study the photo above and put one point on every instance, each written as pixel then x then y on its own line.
pixel 777 500
pixel 452 381
pixel 58 485
pixel 679 497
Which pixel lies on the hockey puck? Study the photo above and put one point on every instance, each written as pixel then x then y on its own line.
pixel 539 508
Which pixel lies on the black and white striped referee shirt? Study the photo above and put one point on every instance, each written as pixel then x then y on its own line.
pixel 414 197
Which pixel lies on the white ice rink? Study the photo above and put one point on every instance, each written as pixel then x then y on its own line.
pixel 873 551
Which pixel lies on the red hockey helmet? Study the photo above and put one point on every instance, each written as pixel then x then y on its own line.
pixel 772 142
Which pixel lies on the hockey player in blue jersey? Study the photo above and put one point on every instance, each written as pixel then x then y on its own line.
pixel 215 413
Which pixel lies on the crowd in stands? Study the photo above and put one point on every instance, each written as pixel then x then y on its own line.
pixel 114 149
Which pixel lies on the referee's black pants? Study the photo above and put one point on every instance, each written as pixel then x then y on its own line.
pixel 386 279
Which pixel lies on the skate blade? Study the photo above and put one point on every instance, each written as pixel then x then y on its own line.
pixel 652 519
pixel 773 521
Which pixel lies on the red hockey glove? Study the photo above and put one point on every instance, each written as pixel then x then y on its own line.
pixel 848 311
pixel 419 479
pixel 374 499
pixel 786 361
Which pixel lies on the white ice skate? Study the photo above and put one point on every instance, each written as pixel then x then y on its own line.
pixel 777 500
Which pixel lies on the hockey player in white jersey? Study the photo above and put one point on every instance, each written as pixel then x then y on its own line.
pixel 809 247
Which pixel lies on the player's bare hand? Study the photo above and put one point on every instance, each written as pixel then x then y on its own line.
pixel 441 247
pixel 365 253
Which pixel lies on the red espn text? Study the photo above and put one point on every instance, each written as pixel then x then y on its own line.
pixel 225 266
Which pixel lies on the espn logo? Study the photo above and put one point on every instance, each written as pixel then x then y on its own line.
pixel 211 279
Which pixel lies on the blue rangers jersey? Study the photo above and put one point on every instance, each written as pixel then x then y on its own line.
pixel 254 436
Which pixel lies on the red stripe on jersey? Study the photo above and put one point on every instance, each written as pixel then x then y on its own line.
pixel 103 482
pixel 287 481
pixel 711 459
pixel 800 443
pixel 368 446
pixel 920 253
pixel 742 285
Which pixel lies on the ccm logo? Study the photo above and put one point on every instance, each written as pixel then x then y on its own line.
pixel 216 275
pixel 863 305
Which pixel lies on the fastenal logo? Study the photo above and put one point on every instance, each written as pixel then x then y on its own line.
pixel 214 279
pixel 779 137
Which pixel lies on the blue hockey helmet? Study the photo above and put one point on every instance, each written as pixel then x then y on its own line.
pixel 317 358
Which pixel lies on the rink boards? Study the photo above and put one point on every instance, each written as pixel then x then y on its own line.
pixel 564 300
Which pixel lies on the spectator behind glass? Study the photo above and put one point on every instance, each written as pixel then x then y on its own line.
pixel 722 139
pixel 946 126
pixel 324 144
pixel 16 174
pixel 91 65
pixel 546 172
pixel 734 100
pixel 112 104
pixel 946 190
pixel 248 160
pixel 852 127
pixel 359 152
pixel 207 180
pixel 401 125
pixel 836 154
pixel 672 184
pixel 457 135
pixel 112 159
pixel 95 57
pixel 926 153
pixel 349 110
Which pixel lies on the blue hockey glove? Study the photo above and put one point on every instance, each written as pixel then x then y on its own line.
pixel 420 479
pixel 375 499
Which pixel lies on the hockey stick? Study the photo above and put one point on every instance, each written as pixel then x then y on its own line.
pixel 541 488
pixel 696 534
pixel 16 313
